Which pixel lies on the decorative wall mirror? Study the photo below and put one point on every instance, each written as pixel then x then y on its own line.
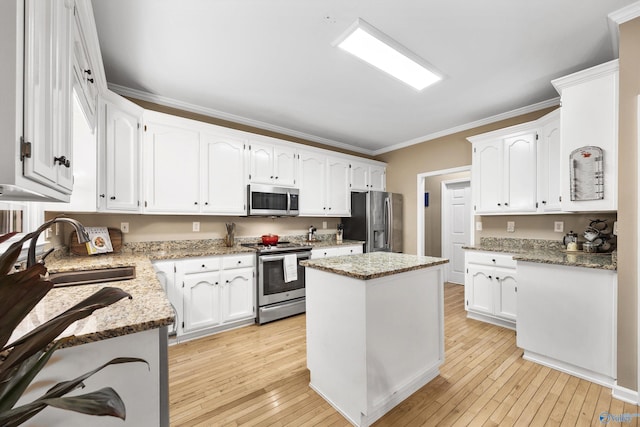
pixel 587 175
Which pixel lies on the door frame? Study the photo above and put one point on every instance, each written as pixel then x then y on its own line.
pixel 421 179
pixel 444 223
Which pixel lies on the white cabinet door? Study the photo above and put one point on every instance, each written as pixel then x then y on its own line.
pixel 47 93
pixel 337 191
pixel 506 298
pixel 487 177
pixel 271 163
pixel 224 189
pixel 359 176
pixel 349 250
pixel 120 154
pixel 261 163
pixel 479 292
pixel 83 71
pixel 238 294
pixel 312 184
pixel 202 296
pixel 549 165
pixel 519 166
pixel 378 178
pixel 285 160
pixel 171 169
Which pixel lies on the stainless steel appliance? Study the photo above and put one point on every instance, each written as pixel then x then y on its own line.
pixel 278 298
pixel 266 200
pixel 376 218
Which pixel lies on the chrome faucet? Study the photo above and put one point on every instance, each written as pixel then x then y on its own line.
pixel 83 237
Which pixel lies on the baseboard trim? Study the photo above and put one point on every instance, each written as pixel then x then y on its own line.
pixel 490 319
pixel 570 369
pixel 625 394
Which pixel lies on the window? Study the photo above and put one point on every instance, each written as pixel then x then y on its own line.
pixel 12 217
pixel 21 217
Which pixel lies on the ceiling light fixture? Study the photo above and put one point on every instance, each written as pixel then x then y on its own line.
pixel 373 46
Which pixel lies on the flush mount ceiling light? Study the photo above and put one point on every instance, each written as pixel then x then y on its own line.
pixel 373 46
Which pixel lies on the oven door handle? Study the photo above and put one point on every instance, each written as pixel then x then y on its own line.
pixel 264 258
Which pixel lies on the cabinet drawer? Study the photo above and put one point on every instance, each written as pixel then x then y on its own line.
pixel 197 265
pixel 238 261
pixel 490 258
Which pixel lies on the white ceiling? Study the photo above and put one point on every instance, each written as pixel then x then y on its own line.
pixel 271 63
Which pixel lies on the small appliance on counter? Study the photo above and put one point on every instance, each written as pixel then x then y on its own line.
pixel 597 237
pixel 311 235
pixel 570 240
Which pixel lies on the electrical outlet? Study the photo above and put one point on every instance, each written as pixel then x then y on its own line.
pixel 47 233
pixel 196 226
pixel 478 225
pixel 558 226
pixel 324 225
pixel 615 228
pixel 57 226
pixel 511 226
pixel 124 227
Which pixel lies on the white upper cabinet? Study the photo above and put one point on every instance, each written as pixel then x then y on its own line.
pixel 313 178
pixel 324 185
pixel 338 194
pixel 192 167
pixel 223 186
pixel 519 182
pixel 365 177
pixel 272 163
pixel 504 172
pixel 84 69
pixel 549 184
pixel 119 159
pixel 47 94
pixel 589 118
pixel 171 155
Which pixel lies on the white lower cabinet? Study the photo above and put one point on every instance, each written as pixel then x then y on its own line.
pixel 336 251
pixel 209 294
pixel 491 286
pixel 567 319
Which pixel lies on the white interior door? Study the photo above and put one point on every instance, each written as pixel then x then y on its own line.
pixel 456 230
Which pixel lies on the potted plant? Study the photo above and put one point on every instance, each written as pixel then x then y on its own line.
pixel 23 359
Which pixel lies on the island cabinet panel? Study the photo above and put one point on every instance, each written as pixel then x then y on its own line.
pixel 567 319
pixel 378 343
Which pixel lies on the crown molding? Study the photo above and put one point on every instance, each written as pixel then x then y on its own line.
pixel 584 76
pixel 174 103
pixel 619 17
pixel 492 119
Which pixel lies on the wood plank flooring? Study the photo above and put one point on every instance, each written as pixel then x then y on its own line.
pixel 257 376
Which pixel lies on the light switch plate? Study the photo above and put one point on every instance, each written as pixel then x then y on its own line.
pixel 615 228
pixel 511 226
pixel 196 226
pixel 124 227
pixel 478 225
pixel 558 226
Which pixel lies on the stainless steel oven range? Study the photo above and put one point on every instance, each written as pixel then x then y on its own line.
pixel 277 297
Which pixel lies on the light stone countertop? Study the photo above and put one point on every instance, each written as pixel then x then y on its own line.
pixel 373 265
pixel 547 252
pixel 148 309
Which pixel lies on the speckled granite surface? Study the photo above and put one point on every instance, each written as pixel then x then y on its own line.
pixel 546 252
pixel 149 308
pixel 373 265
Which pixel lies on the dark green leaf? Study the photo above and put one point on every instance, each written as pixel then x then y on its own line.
pixel 65 387
pixel 12 390
pixel 19 294
pixel 102 402
pixel 41 336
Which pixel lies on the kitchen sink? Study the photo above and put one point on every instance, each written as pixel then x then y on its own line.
pixel 87 277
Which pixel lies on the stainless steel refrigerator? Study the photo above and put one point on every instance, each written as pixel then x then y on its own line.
pixel 376 218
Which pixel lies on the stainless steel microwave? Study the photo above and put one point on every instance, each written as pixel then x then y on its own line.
pixel 265 200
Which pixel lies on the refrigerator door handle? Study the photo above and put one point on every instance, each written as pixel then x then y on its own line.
pixel 387 221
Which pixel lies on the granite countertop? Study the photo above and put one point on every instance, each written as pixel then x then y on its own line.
pixel 546 252
pixel 149 307
pixel 373 265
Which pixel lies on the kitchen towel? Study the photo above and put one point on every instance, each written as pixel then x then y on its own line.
pixel 290 267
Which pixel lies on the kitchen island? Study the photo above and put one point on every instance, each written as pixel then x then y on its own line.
pixel 375 329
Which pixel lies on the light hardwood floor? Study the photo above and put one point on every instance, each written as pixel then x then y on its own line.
pixel 257 376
